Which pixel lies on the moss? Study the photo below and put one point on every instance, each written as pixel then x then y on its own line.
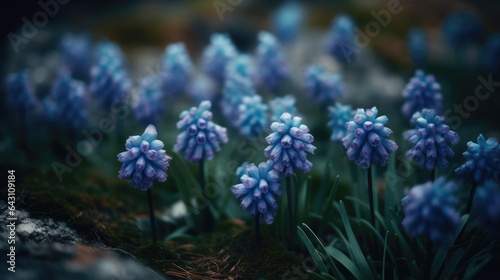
pixel 233 252
pixel 159 256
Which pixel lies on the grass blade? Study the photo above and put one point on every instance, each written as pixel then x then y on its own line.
pixel 357 254
pixel 329 202
pixel 312 251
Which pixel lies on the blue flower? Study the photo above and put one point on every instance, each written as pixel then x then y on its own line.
pixel 417 45
pixel 236 87
pixel 322 86
pixel 289 144
pixel 271 63
pixel 200 137
pixel 149 106
pixel 463 28
pixel 69 97
pixel 259 190
pixel 287 20
pixel 280 105
pixel 109 81
pixel 241 65
pixel 340 39
pixel 422 92
pixel 430 211
pixel 491 54
pixel 487 205
pixel 20 94
pixel 75 52
pixel 110 51
pixel 366 141
pixel 202 88
pixel 252 117
pixel 430 140
pixel 216 56
pixel 340 115
pixel 144 160
pixel 483 161
pixel 176 69
pixel 242 169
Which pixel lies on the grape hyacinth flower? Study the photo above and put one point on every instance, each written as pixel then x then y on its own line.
pixel 202 88
pixel 236 87
pixel 200 137
pixel 289 143
pixel 430 140
pixel 176 69
pixel 111 51
pixel 483 164
pixel 287 21
pixel 20 93
pixel 417 46
pixel 487 205
pixel 149 106
pixel 340 39
pixel 109 79
pixel 69 96
pixel 216 56
pixel 483 161
pixel 259 190
pixel 242 169
pixel 430 211
pixel 463 28
pixel 75 52
pixel 491 54
pixel 252 117
pixel 422 91
pixel 366 141
pixel 271 63
pixel 241 65
pixel 143 162
pixel 280 105
pixel 322 86
pixel 340 115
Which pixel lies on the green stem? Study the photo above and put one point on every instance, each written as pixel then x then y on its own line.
pixel 290 210
pixel 257 226
pixel 471 198
pixel 152 216
pixel 370 196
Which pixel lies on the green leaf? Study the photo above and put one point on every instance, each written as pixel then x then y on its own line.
pixel 312 251
pixel 402 241
pixel 330 263
pixel 367 207
pixel 329 203
pixel 180 233
pixel 383 259
pixel 304 206
pixel 379 238
pixel 345 261
pixel 357 254
pixel 328 277
pixel 323 189
pixel 443 251
pixel 315 275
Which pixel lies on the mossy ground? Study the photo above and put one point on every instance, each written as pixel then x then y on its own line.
pixel 104 211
